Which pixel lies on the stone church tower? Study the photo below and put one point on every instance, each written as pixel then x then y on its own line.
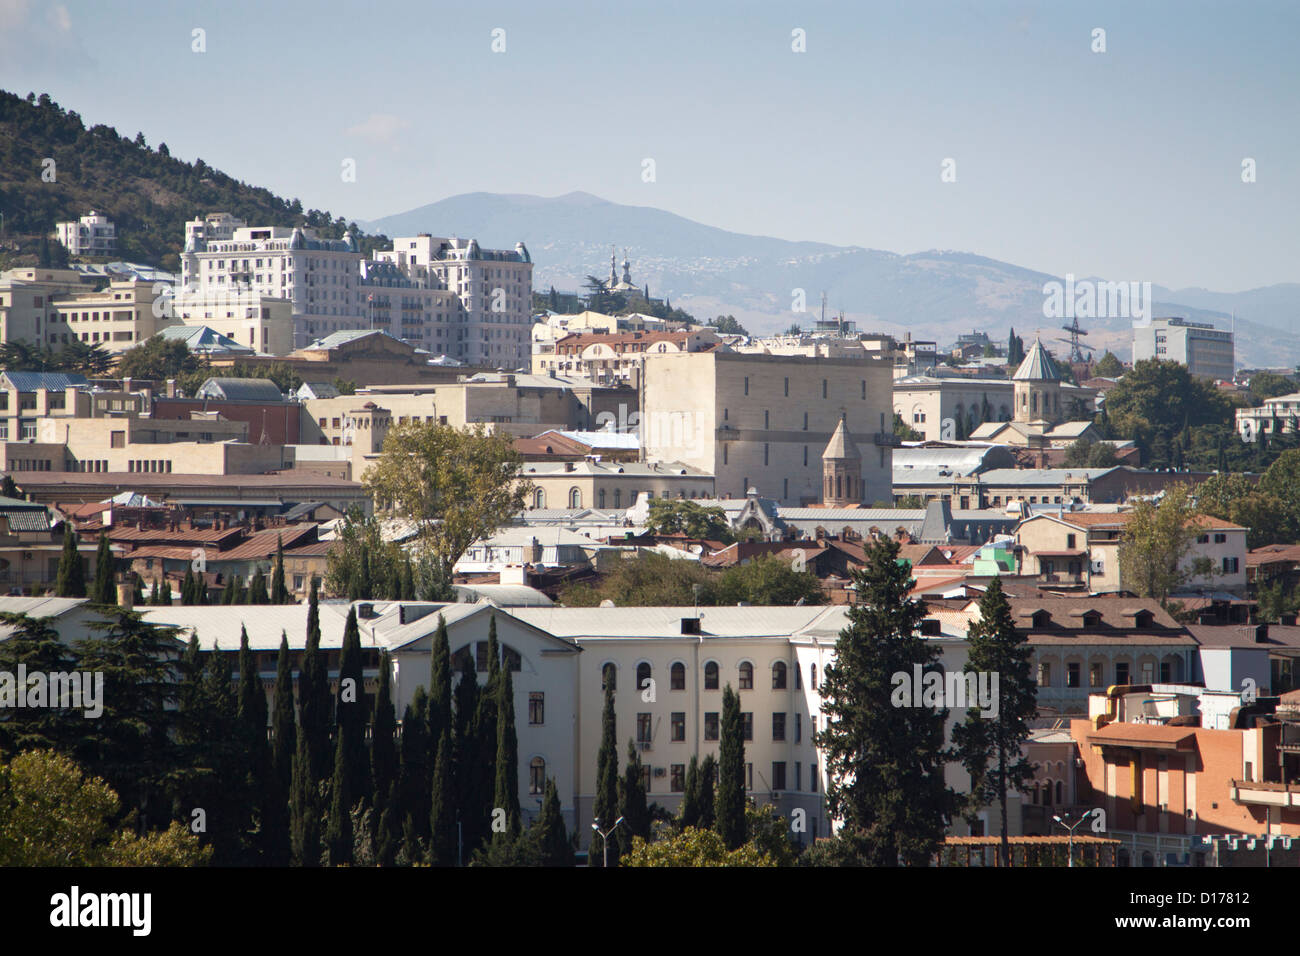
pixel 1037 387
pixel 841 469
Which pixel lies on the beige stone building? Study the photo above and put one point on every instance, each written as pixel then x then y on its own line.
pixel 763 421
pixel 615 358
pixel 612 484
pixel 933 406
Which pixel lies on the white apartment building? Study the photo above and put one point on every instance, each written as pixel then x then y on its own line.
pixel 239 265
pixel 92 235
pixel 494 288
pixel 1275 416
pixel 1206 351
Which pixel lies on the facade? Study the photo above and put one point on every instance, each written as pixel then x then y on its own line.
pixel 92 235
pixel 1081 550
pixel 933 406
pixel 615 358
pixel 763 421
pixel 1274 416
pixel 1206 351
pixel 494 288
pixel 612 484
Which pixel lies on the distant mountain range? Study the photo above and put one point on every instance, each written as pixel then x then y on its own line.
pixel 710 271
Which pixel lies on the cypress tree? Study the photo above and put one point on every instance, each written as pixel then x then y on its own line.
pixel 137 590
pixel 165 598
pixel 465 749
pixel 440 683
pixel 383 742
pixel 303 811
pixel 416 770
pixel 605 807
pixel 252 720
pixel 279 592
pixel 338 831
pixel 884 758
pixel 708 792
pixel 730 809
pixel 70 580
pixel 634 809
pixel 389 839
pixel 314 711
pixel 406 580
pixel 350 712
pixel 235 590
pixel 257 589
pixel 155 593
pixel 690 812
pixel 442 817
pixel 551 838
pixel 105 586
pixel 997 648
pixel 506 791
pixel 283 744
pixel 478 813
pixel 187 586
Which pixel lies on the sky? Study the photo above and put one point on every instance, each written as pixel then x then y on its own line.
pixel 1126 163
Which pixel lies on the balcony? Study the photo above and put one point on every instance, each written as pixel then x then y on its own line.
pixel 1265 794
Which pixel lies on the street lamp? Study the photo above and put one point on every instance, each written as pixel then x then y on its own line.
pixel 604 837
pixel 1071 829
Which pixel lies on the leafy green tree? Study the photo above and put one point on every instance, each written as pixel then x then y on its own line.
pixel 1264 385
pixel 768 580
pixel 884 763
pixel 158 359
pixel 694 847
pixel 33 644
pixel 904 431
pixel 1156 401
pixel 605 806
pixel 991 746
pixel 1282 481
pixel 70 579
pixel 727 325
pixel 1087 453
pixel 104 590
pixel 648 580
pixel 1235 498
pixel 690 518
pixel 730 822
pixel 52 813
pixel 455 485
pixel 1156 543
pixel 769 833
pixel 1108 366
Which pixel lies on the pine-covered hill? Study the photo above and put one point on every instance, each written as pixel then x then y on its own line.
pixel 147 193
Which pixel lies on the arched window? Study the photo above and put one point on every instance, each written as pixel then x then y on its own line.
pixel 642 675
pixel 1060 792
pixel 618 497
pixel 575 498
pixel 812 678
pixel 539 498
pixel 536 776
pixel 778 675
pixel 711 675
pixel 746 676
pixel 600 497
pixel 608 677
pixel 677 676
pixel 1047 794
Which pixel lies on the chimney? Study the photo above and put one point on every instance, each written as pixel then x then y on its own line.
pixel 126 384
pixel 1261 634
pixel 171 388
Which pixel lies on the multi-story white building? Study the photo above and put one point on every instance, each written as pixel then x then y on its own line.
pixel 494 288
pixel 92 235
pixel 1276 416
pixel 1206 351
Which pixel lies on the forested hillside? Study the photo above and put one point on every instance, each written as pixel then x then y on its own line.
pixel 144 190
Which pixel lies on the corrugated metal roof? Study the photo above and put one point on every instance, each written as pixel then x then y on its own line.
pixel 667 621
pixel 54 381
pixel 241 390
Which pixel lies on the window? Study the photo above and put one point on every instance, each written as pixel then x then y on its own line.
pixel 1044 674
pixel 711 675
pixel 778 726
pixel 798 775
pixel 677 778
pixel 1121 672
pixel 575 498
pixel 747 725
pixel 812 777
pixel 536 708
pixel 798 678
pixel 746 676
pixel 608 677
pixel 778 675
pixel 642 676
pixel 1094 675
pixel 1072 674
pixel 481 657
pixel 711 725
pixel 1229 565
pixel 798 727
pixel 749 776
pixel 1165 672
pixel 644 724
pixel 536 776
pixel 1069 542
pixel 778 775
pixel 677 677
pixel 678 726
pixel 1220 538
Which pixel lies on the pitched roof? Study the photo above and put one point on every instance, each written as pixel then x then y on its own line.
pixel 241 390
pixel 1038 366
pixel 841 447
pixel 52 381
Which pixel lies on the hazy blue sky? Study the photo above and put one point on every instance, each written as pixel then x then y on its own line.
pixel 1125 163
